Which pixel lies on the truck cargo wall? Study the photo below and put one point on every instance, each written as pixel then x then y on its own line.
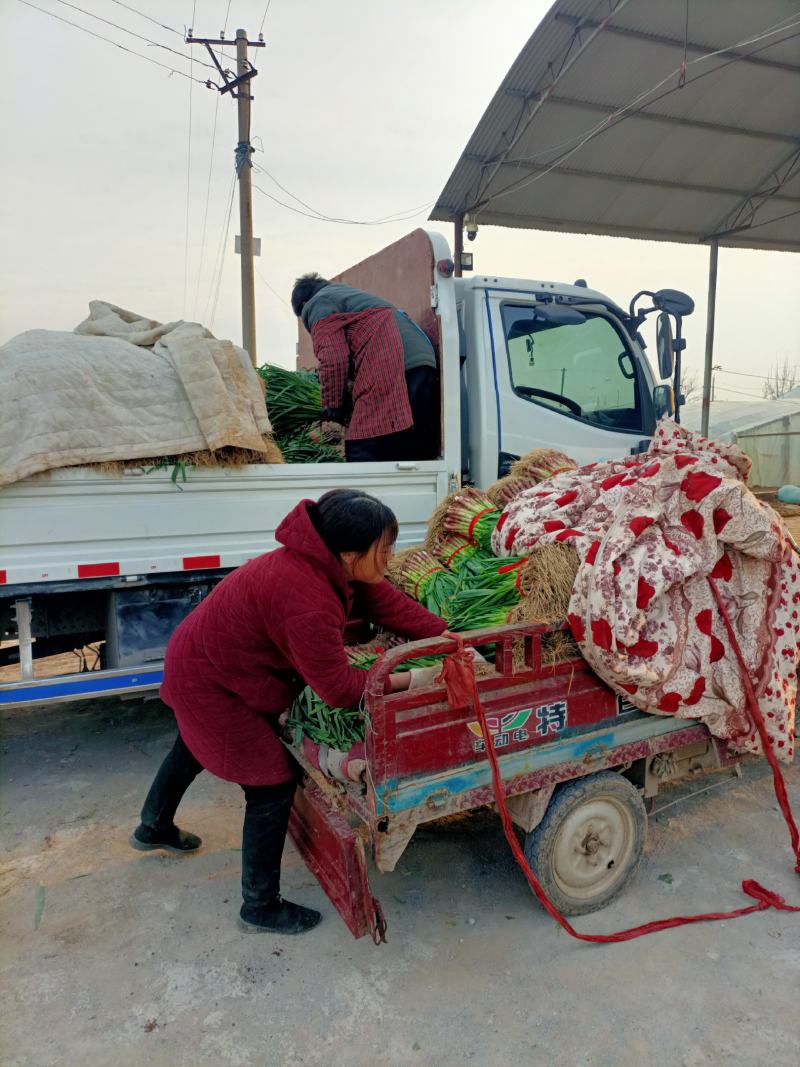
pixel 401 273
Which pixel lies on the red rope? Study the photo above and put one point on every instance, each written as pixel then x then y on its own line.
pixel 518 568
pixel 766 742
pixel 459 677
pixel 432 570
pixel 450 558
pixel 475 519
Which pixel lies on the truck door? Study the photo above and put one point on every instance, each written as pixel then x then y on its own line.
pixel 578 387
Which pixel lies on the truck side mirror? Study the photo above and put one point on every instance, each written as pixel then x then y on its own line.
pixel 664 345
pixel 673 301
pixel 663 401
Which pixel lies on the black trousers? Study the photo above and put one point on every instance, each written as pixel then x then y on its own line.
pixel 266 820
pixel 420 441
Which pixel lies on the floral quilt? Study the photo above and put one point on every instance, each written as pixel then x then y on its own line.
pixel 656 535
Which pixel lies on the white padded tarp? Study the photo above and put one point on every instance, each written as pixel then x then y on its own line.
pixel 122 387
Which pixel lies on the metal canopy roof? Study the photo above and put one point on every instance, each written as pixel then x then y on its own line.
pixel 624 124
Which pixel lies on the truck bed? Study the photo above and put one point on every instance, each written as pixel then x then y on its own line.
pixel 77 523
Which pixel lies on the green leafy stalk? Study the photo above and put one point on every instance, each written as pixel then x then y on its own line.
pixel 301 447
pixel 294 398
pixel 338 728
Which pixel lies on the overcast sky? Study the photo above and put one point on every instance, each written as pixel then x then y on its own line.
pixel 361 110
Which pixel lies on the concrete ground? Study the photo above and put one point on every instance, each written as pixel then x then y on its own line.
pixel 115 957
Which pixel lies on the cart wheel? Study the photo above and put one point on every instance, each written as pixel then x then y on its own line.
pixel 589 842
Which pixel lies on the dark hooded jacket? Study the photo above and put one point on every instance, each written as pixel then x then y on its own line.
pixel 269 628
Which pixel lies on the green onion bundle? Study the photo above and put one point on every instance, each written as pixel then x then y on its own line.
pixel 474 609
pixel 294 398
pixel 466 513
pixel 506 489
pixel 473 516
pixel 454 552
pixel 301 447
pixel 542 463
pixel 360 658
pixel 423 577
pixel 489 590
pixel 498 575
pixel 339 728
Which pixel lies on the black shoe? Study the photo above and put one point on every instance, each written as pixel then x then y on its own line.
pixel 282 917
pixel 171 839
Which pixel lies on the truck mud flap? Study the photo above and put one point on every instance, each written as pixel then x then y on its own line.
pixel 334 854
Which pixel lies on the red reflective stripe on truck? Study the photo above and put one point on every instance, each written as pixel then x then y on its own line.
pixel 2 577
pixel 191 563
pixel 98 570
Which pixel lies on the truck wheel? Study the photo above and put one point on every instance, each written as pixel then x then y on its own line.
pixel 589 842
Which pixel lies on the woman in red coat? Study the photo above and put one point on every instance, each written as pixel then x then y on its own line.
pixel 240 658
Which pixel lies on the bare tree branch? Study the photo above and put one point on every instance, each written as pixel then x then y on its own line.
pixel 780 379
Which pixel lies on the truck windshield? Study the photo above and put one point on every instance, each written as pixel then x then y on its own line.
pixel 584 370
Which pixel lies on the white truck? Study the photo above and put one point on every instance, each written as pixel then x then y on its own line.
pixel 113 563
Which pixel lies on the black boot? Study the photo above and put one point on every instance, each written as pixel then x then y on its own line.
pixel 157 829
pixel 266 820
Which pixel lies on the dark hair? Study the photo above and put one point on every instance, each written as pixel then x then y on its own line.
pixel 306 286
pixel 349 520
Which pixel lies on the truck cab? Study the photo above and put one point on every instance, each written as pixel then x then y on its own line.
pixel 548 365
pixel 524 363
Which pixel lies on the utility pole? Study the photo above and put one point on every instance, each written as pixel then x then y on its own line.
pixel 713 258
pixel 245 72
pixel 244 167
pixel 716 367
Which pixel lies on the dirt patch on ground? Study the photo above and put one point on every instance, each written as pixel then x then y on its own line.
pixel 136 959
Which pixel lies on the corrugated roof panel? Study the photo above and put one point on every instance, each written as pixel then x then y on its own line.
pixel 684 167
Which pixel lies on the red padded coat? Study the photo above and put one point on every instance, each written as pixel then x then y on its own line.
pixel 269 628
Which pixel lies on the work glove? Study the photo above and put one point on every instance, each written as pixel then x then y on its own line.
pixel 425 676
pixel 346 766
pixel 343 766
pixel 421 677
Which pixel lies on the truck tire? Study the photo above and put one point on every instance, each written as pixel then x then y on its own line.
pixel 589 842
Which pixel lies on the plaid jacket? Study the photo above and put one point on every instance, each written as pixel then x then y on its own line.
pixel 369 343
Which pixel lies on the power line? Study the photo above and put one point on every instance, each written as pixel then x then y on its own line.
pixel 169 29
pixel 149 18
pixel 223 243
pixel 321 215
pixel 629 108
pixel 205 213
pixel 138 36
pixel 224 29
pixel 740 392
pixel 108 40
pixel 313 213
pixel 629 111
pixel 188 176
pixel 220 244
pixel 274 292
pixel 398 217
pixel 264 16
pixel 746 374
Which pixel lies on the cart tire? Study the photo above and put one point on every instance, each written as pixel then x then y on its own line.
pixel 589 842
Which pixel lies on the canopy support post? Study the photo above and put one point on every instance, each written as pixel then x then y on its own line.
pixel 458 243
pixel 713 256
